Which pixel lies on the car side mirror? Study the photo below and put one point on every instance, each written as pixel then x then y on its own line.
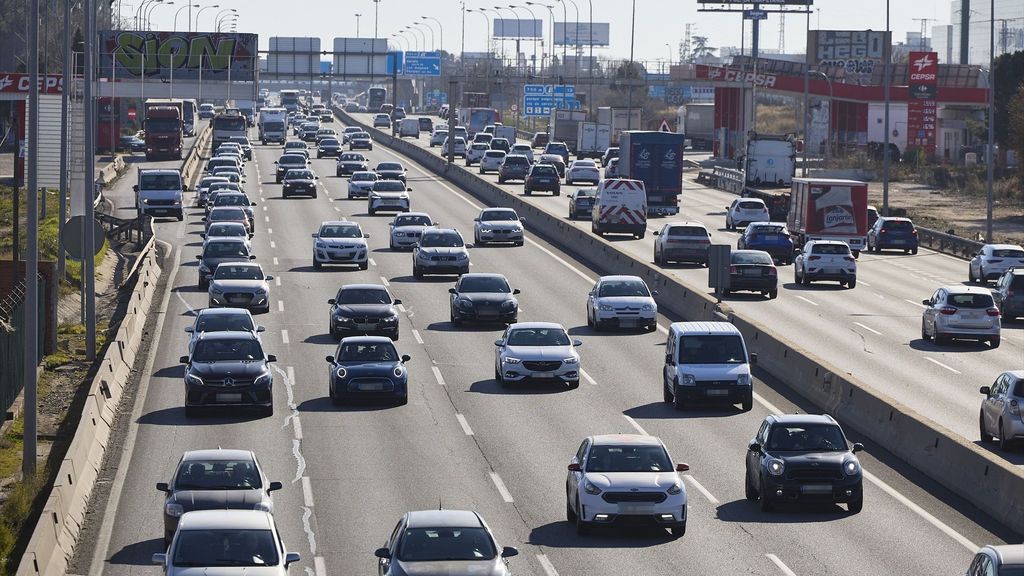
pixel 188 329
pixel 274 486
pixel 275 161
pixel 204 219
pixel 260 329
pixel 452 291
pixel 499 342
pixel 163 487
pixel 184 187
pixel 926 302
pixel 516 291
pixel 332 301
pixel 753 357
pixel 314 235
pixel 397 302
pixel 987 391
pixel 269 278
pixel 271 358
pixel 577 343
pixel 575 467
pixel 406 358
pixel 329 359
pixel 252 203
pixel 159 558
pixel 657 233
pixel 522 218
pixel 509 551
pixel 382 553
pixel 654 292
pixel 669 361
pixel 252 257
pixel 468 246
pixel 753 446
pixel 408 189
pixel 857 447
pixel 682 467
pixel 291 558
pixel 476 219
pixel 135 187
pixel 202 235
pixel 183 360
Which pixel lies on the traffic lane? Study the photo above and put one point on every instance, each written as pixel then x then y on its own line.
pixel 483 367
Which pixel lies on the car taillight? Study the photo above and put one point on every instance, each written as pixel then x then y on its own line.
pixel 675 199
pixel 733 270
pixel 704 241
pixel 948 310
pixel 1014 408
pixel 814 257
pixel 914 232
pixel 992 312
pixel 773 272
pixel 883 231
pixel 849 258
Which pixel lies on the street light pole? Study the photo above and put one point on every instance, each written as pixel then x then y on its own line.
pixel 376 7
pixel 31 351
pixel 518 33
pixel 533 18
pixel 551 19
pixel 629 102
pixel 885 146
pixel 990 151
pixel 357 24
pixel 178 11
pixel 440 29
pixel 200 13
pixel 807 92
pixel 429 29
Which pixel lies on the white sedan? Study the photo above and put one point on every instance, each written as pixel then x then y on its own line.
pixel 361 183
pixel 992 260
pixel 536 351
pixel 407 228
pixel 582 171
pixel 623 302
pixel 522 150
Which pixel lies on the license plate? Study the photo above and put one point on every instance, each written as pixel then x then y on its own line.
pixel 816 489
pixel 716 392
pixel 751 272
pixel 628 322
pixel 239 299
pixel 371 386
pixel 366 326
pixel 636 508
pixel 543 374
pixel 229 397
pixel 899 241
pixel 772 237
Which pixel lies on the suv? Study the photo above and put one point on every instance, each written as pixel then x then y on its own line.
pixel 228 369
pixel 707 361
pixel 743 211
pixel 381 121
pixel 961 313
pixel 536 351
pixel 890 232
pixel 992 260
pixel 559 148
pixel 805 458
pixel 542 177
pixel 469 546
pixel 515 167
pixel 539 140
pixel 1001 409
pixel 682 242
pixel 1009 293
pixel 825 260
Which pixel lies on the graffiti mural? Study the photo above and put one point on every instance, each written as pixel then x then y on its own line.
pixel 127 54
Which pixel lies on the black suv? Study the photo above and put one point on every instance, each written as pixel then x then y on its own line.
pixel 289 162
pixel 803 458
pixel 515 167
pixel 228 369
pixel 1009 294
pixel 542 177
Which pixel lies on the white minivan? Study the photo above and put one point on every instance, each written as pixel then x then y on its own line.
pixel 620 207
pixel 409 127
pixel 707 362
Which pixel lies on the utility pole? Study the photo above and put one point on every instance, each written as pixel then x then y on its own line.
pixel 63 208
pixel 88 249
pixel 885 82
pixel 965 30
pixel 31 304
pixel 990 159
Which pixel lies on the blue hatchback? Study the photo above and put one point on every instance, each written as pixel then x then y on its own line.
pixel 771 237
pixel 368 367
pixel 891 233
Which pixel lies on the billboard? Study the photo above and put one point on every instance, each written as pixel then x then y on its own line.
pixel 291 55
pixel 19 83
pixel 858 52
pixel 922 110
pixel 516 28
pixel 581 34
pixel 361 56
pixel 126 54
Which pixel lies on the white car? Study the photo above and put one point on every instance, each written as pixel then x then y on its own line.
pixel 460 147
pixel 241 285
pixel 438 137
pixel 623 478
pixel 743 211
pixel 203 188
pixel 340 242
pixel 961 313
pixel 582 171
pixel 611 169
pixel 491 161
pixel 825 260
pixel 221 320
pixel 476 152
pixel 992 260
pixel 407 228
pixel 348 132
pixel 622 301
pixel 522 150
pixel 536 351
pixel 361 183
pixel 226 542
pixel 498 225
pixel 388 195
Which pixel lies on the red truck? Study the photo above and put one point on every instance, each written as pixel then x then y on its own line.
pixel 164 131
pixel 829 209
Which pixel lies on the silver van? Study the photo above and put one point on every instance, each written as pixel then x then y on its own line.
pixel 707 362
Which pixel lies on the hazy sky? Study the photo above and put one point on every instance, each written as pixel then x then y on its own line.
pixel 657 21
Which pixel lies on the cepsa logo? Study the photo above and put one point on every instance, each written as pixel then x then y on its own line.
pixel 924 67
pixel 21 83
pixel 741 77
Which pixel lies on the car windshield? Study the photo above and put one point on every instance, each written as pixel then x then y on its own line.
pixel 586 193
pixel 363 296
pixel 364 177
pixel 441 544
pixel 831 249
pixel 416 220
pixel 448 240
pixel 231 200
pixel 206 182
pixel 229 272
pixel 160 182
pixel 1007 253
pixel 388 186
pixel 542 170
pixel 340 231
pixel 516 160
pixel 222 249
pixel 623 288
pixel 677 231
pixel 538 337
pixel 156 125
pixel 295 145
pixel 628 459
pixel 240 140
pixel 711 349
pixel 208 548
pixel 557 148
pixel 227 229
pixel 494 154
pixel 361 135
pixel 227 350
pixel 233 186
pixel 761 258
pixel 299 175
pixel 389 166
pixel 970 300
pixel 498 215
pixel 806 438
pixel 217 475
pixel 489 284
pixel 293 159
pixel 230 322
pixel 329 141
pixel 352 158
pixel 367 352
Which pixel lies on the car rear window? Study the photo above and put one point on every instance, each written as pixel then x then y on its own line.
pixel 676 231
pixel 1008 253
pixel 1017 282
pixel 768 230
pixel 901 225
pixel 838 249
pixel 970 300
pixel 516 160
pixel 543 170
pixel 751 205
pixel 751 258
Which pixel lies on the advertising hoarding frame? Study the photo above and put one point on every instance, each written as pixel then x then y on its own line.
pixel 129 54
pixel 577 34
pixel 517 28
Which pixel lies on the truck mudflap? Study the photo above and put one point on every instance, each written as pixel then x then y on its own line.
pixel 662 210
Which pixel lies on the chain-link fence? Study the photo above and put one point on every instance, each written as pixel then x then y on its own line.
pixel 12 343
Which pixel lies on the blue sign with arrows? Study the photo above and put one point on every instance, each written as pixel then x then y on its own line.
pixel 422 63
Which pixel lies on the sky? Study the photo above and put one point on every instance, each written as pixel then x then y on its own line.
pixel 658 22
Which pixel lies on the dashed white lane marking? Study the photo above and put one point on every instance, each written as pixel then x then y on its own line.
pixel 270 230
pixel 546 564
pixel 264 208
pixel 863 283
pixel 505 494
pixel 587 377
pixel 636 426
pixel 266 218
pixel 372 262
pixel 942 526
pixel 869 329
pixel 937 363
pixel 400 308
pixel 918 304
pixel 437 375
pixel 464 423
pixel 662 329
pixel 272 244
pixel 384 281
pixel 284 336
pixel 275 261
pixel 320 566
pixel 780 565
pixel 307 492
pixel 336 209
pixel 277 280
pixel 280 305
pixel 811 302
pixel 700 488
pixel 416 336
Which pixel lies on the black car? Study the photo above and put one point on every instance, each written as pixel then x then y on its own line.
pixel 515 167
pixel 500 144
pixel 581 203
pixel 220 251
pixel 542 177
pixel 1009 294
pixel 390 171
pixel 329 147
pixel 230 370
pixel 559 148
pixel 609 153
pixel 368 367
pixel 300 182
pixel 289 162
pixel 363 309
pixel 244 143
pixel 753 271
pixel 483 297
pixel 426 124
pixel 803 458
pixel 360 140
pixel 350 163
pixel 132 143
pixel 308 132
pixel 215 479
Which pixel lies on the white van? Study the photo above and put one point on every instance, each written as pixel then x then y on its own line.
pixel 620 207
pixel 409 127
pixel 707 362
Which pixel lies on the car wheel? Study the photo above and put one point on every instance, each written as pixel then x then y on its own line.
pixel 982 433
pixel 501 379
pixel 370 211
pixel 590 321
pixel 851 283
pixel 773 294
pixel 982 279
pixel 924 332
pixel 657 257
pixel 766 504
pixel 970 274
pixel 804 279
pixel 748 489
pixel 666 394
pixel 364 265
pixel 913 250
pixel 416 273
pixel 316 265
pixel 527 191
pixel 677 399
pixel 337 400
pixel 856 505
pixel 994 342
pixel 267 411
pixel 582 526
pixel 939 339
pixel 570 513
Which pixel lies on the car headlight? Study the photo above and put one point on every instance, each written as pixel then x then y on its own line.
pixel 485 228
pixel 216 290
pixel 511 360
pixel 605 308
pixel 263 379
pixel 675 488
pixel 174 509
pixel 193 380
pixel 321 245
pixel 389 319
pixel 204 269
pixel 374 195
pixel 851 467
pixel 571 360
pixel 508 305
pixel 464 303
pixel 590 488
pixel 265 506
pixel 688 380
pixel 743 380
pixel 776 467
pixel 341 372
pixel 399 371
pixel 462 256
pixel 647 307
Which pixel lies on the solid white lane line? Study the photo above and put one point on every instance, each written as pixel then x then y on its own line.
pixel 811 302
pixel 297 428
pixel 872 330
pixel 505 494
pixel 280 305
pixel 272 244
pixel 918 304
pixel 437 375
pixel 372 263
pixel 320 566
pixel 635 425
pixel 560 260
pixel 587 377
pixel 768 405
pixel 936 362
pixel 275 261
pixel 942 526
pixel 780 565
pixel 700 488
pixel 464 423
pixel 416 336
pixel 277 280
pixel 307 492
pixel 549 568
pixel 662 329
pixel 384 281
pixel 284 336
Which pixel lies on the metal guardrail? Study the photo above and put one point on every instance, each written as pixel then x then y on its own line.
pixel 948 243
pixel 728 179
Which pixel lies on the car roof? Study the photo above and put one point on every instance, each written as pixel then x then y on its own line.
pixel 686 223
pixel 226 519
pixel 363 287
pixel 703 328
pixel 619 278
pixel 338 223
pixel 412 214
pixel 229 335
pixel 1003 247
pixel 441 231
pixel 822 241
pixel 498 209
pixel 616 439
pixel 961 289
pixel 1009 554
pixel 758 200
pixel 762 252
pixel 483 275
pixel 894 219
pixel 158 171
pixel 364 172
pixel 218 454
pixel 802 419
pixel 366 340
pixel 443 519
pixel 530 325
pixel 772 224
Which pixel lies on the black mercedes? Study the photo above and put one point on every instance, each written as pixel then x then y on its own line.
pixel 228 370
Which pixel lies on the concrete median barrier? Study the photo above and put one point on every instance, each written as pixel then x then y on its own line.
pixel 980 477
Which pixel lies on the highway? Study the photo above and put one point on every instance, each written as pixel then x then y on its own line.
pixel 872 332
pixel 464 442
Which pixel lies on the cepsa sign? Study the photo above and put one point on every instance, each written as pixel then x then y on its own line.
pixel 11 82
pixel 719 74
pixel 923 71
pixel 194 55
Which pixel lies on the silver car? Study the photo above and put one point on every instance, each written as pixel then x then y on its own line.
pixel 442 541
pixel 203 188
pixel 992 260
pixel 582 171
pixel 622 301
pixel 682 242
pixel 242 285
pixel 230 542
pixel 1001 409
pixel 440 251
pixel 389 196
pixel 536 351
pixel 498 225
pixel 361 183
pixel 961 313
pixel 221 320
pixel 407 228
pixel 340 242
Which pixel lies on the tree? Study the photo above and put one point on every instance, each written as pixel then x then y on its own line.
pixel 1008 77
pixel 701 48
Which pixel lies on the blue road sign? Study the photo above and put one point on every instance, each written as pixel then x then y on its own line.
pixel 543 104
pixel 542 89
pixel 755 14
pixel 394 61
pixel 422 63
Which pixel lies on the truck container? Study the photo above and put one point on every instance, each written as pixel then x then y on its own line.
pixel 506 132
pixel 475 119
pixel 273 125
pixel 164 135
pixel 619 119
pixel 158 192
pixel 189 116
pixel 476 100
pixel 592 139
pixel 656 158
pixel 770 160
pixel 290 100
pixel 227 125
pixel 829 209
pixel 697 123
pixel 248 109
pixel 563 126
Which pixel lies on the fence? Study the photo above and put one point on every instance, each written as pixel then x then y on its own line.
pixel 12 343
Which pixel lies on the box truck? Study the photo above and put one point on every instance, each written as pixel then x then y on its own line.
pixel 656 158
pixel 164 134
pixel 563 126
pixel 829 209
pixel 619 119
pixel 273 125
pixel 592 139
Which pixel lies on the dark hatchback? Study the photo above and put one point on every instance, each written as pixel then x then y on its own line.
pixel 328 147
pixel 289 162
pixel 890 233
pixel 228 370
pixel 1009 294
pixel 771 237
pixel 581 203
pixel 542 178
pixel 803 458
pixel 350 163
pixel 753 271
pixel 515 167
pixel 368 367
pixel 299 182
pixel 390 171
pixel 366 309
pixel 483 297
